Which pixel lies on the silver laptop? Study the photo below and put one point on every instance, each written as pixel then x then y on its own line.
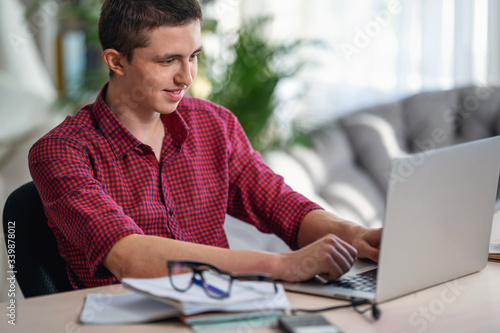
pixel 438 220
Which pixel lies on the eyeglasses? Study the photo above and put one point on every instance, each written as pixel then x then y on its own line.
pixel 215 282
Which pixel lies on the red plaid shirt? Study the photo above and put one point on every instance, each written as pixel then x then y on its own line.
pixel 99 183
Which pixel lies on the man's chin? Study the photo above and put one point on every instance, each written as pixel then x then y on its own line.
pixel 168 109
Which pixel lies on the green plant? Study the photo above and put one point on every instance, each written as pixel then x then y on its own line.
pixel 247 84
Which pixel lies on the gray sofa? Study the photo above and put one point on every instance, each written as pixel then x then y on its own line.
pixel 346 169
pixel 355 151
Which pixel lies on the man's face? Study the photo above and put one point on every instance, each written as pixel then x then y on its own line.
pixel 159 75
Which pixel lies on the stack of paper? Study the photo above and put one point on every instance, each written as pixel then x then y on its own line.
pixel 245 296
pixel 154 299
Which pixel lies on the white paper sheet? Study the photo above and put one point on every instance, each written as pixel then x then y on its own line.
pixel 125 308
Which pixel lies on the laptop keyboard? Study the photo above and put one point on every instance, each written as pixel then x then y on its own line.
pixel 361 282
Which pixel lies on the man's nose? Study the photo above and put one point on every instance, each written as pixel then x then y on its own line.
pixel 185 74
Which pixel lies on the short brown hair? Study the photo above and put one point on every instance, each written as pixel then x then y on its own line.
pixel 123 22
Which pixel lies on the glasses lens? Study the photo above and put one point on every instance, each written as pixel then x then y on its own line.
pixel 181 276
pixel 216 284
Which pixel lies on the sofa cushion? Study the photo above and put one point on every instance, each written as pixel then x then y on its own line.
pixel 431 119
pixel 355 197
pixel 376 144
pixel 392 114
pixel 350 190
pixel 333 146
pixel 479 113
pixel 295 175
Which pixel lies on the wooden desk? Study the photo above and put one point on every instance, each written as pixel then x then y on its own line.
pixel 468 304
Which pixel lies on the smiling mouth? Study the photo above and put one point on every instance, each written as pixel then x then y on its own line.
pixel 175 94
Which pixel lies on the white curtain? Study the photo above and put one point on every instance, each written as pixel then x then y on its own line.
pixel 20 61
pixel 26 96
pixel 382 50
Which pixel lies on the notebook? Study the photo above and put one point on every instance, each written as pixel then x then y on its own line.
pixel 437 225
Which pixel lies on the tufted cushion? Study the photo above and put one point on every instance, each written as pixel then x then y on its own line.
pixel 354 196
pixel 479 113
pixel 333 146
pixel 350 190
pixel 295 174
pixel 392 115
pixel 431 120
pixel 375 142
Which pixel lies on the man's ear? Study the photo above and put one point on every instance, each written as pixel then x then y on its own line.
pixel 114 60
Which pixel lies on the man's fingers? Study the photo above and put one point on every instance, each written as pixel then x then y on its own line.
pixel 329 257
pixel 341 254
pixel 368 245
pixel 332 271
pixel 370 253
pixel 343 257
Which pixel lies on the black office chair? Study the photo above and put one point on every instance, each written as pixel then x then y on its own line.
pixel 40 268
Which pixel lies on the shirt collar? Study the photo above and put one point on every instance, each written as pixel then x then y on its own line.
pixel 119 137
pixel 176 126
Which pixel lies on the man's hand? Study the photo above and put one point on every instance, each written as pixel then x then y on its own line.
pixel 329 257
pixel 367 242
pixel 329 246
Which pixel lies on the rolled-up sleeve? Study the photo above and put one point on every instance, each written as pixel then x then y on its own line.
pixel 83 216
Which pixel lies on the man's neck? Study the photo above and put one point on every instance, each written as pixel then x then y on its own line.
pixel 145 125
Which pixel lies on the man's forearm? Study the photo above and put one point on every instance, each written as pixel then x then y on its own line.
pixel 146 256
pixel 318 223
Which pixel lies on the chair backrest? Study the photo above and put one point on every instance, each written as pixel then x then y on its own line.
pixel 40 269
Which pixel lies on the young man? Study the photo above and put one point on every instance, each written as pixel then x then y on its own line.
pixel 145 175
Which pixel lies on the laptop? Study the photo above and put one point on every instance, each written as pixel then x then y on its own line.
pixel 438 220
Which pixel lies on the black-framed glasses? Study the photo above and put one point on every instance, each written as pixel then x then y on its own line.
pixel 215 282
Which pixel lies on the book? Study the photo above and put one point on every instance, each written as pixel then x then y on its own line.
pixel 234 321
pixel 494 252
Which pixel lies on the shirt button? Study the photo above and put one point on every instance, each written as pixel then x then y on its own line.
pixel 138 150
pixel 171 212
